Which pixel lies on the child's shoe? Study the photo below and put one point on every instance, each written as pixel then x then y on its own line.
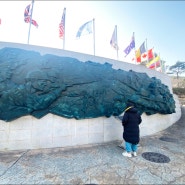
pixel 127 154
pixel 134 154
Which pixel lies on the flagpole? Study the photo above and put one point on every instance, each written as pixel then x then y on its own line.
pixel 30 21
pixel 155 64
pixel 64 27
pixel 146 51
pixel 160 63
pixel 135 48
pixel 94 35
pixel 116 41
pixel 153 59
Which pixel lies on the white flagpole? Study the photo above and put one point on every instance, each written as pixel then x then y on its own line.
pixel 30 20
pixel 155 64
pixel 160 63
pixel 94 35
pixel 134 48
pixel 116 40
pixel 146 51
pixel 154 58
pixel 64 27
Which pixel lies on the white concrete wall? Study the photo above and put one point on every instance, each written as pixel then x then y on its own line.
pixel 157 122
pixel 53 131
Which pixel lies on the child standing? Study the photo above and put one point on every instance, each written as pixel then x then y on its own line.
pixel 130 122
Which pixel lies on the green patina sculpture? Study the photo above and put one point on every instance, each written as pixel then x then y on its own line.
pixel 32 84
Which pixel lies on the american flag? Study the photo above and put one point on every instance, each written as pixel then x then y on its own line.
pixel 62 25
pixel 27 16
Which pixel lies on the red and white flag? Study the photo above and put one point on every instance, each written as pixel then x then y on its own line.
pixel 62 25
pixel 28 15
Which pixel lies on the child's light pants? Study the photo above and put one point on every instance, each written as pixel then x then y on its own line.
pixel 130 147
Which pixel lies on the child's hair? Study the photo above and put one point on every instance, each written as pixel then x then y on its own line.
pixel 130 104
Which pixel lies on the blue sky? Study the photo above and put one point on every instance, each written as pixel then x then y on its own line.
pixel 160 22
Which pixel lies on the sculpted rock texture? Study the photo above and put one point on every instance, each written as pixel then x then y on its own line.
pixel 32 84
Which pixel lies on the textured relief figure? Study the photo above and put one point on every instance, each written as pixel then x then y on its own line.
pixel 32 84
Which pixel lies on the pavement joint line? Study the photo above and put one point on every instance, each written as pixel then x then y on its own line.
pixel 14 162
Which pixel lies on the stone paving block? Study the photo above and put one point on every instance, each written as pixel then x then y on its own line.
pixel 99 163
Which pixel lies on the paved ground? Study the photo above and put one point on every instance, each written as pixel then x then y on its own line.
pixel 101 164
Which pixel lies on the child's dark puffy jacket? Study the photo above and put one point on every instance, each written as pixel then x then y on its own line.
pixel 130 122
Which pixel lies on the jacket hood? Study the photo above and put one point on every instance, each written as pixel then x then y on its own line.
pixel 131 109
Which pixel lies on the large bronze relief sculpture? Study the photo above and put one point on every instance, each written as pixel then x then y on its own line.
pixel 32 84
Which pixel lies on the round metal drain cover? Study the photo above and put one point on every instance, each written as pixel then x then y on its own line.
pixel 168 139
pixel 155 157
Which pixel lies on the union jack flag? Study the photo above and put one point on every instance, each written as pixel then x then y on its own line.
pixel 27 16
pixel 62 25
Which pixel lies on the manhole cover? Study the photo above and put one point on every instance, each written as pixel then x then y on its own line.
pixel 168 139
pixel 155 157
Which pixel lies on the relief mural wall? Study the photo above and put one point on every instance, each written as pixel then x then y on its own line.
pixel 34 84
